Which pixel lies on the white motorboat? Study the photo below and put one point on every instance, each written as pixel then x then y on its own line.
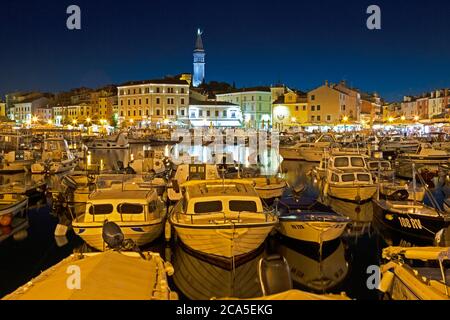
pixel 405 276
pixel 399 144
pixel 308 220
pixel 150 161
pixel 223 217
pixel 307 151
pixel 349 179
pixel 56 158
pixel 140 214
pixel 16 161
pixel 426 154
pixel 119 141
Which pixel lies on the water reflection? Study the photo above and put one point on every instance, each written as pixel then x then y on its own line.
pixel 312 271
pixel 199 277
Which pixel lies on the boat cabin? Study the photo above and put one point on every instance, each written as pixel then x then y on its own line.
pixel 121 206
pixel 356 177
pixel 347 162
pixel 220 197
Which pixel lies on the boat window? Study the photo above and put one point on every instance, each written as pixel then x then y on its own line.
pixel 101 209
pixel 341 162
pixel 374 165
pixel 208 206
pixel 335 178
pixel 238 206
pixel 363 177
pixel 130 208
pixel 348 177
pixel 358 162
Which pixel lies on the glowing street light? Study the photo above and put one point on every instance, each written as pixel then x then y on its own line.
pixel 345 119
pixel 88 120
pixel 403 118
pixel 74 121
pixel 416 118
pixel 49 122
pixel 391 119
pixel 294 119
pixel 35 119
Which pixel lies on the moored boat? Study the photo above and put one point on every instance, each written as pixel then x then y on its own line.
pixel 416 273
pixel 56 158
pixel 221 217
pixel 139 213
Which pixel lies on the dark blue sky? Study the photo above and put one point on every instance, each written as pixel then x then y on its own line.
pixel 300 43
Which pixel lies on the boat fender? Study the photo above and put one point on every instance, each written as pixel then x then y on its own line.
pixel 60 230
pixel 274 275
pixel 386 281
pixel 168 231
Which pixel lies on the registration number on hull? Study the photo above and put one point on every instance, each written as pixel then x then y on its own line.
pixel 410 223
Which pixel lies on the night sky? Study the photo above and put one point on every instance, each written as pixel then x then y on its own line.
pixel 299 43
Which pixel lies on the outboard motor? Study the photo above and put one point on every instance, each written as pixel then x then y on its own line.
pixel 274 275
pixel 112 235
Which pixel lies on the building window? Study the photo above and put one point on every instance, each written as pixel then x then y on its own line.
pixel 313 118
pixel 134 113
pixel 217 114
pixel 200 113
pixel 318 118
pixel 182 112
pixel 233 114
pixel 318 108
pixel 158 112
pixel 129 113
pixel 296 108
pixel 208 113
pixel 192 114
pixel 146 112
pixel 224 113
pixel 146 101
pixel 158 101
pixel 182 101
pixel 313 108
pixel 140 101
pixel 343 107
pixel 304 108
pixel 157 90
pixel 140 91
pixel 121 102
pixel 313 97
pixel 328 118
pixel 134 102
pixel 129 92
pixel 182 90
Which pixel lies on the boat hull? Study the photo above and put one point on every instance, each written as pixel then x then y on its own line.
pixel 356 193
pixel 55 167
pixel 291 154
pixel 412 224
pixel 226 240
pixel 141 234
pixel 15 167
pixel 312 231
pixel 311 155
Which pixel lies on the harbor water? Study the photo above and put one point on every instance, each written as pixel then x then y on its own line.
pixel 342 266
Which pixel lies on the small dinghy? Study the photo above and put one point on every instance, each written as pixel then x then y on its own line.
pixel 306 219
pixel 13 217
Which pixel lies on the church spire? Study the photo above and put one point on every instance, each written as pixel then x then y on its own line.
pixel 199 42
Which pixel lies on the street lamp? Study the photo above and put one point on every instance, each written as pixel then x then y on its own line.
pixel 416 118
pixel 35 119
pixel 74 122
pixel 88 121
pixel 391 119
pixel 403 118
pixel 49 122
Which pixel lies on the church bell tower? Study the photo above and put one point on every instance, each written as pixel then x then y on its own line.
pixel 199 61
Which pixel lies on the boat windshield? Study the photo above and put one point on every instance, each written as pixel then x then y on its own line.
pixel 240 205
pixel 130 208
pixel 348 177
pixel 101 209
pixel 208 206
pixel 341 162
pixel 363 177
pixel 358 162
